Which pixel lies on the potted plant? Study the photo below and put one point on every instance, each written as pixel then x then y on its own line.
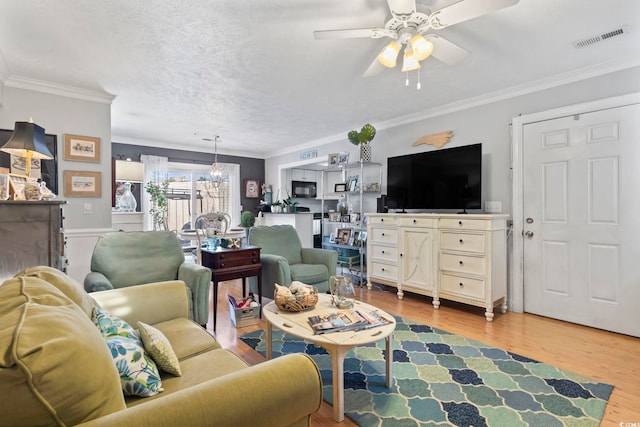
pixel 362 139
pixel 159 207
pixel 289 206
pixel 247 219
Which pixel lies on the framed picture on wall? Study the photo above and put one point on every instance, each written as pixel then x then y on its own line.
pixel 82 184
pixel 251 188
pixel 81 148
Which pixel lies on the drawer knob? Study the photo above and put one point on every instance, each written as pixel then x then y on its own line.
pixel 460 223
pixel 382 269
pixel 461 285
pixel 382 234
pixel 222 265
pixel 382 251
pixel 255 261
pixel 222 255
pixel 381 219
pixel 461 263
pixel 461 242
pixel 401 255
pixel 414 221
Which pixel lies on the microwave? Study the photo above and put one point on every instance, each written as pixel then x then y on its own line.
pixel 304 189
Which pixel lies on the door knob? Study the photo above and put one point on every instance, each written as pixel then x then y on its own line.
pixel 529 234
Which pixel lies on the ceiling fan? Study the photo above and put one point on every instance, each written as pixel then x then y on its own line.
pixel 409 27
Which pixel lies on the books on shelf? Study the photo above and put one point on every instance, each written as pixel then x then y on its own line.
pixel 348 320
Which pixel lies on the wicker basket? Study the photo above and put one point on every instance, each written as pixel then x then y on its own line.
pixel 295 303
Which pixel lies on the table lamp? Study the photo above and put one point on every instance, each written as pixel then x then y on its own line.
pixel 28 141
pixel 128 172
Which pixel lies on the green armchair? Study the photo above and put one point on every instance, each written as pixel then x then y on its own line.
pixel 284 259
pixel 122 259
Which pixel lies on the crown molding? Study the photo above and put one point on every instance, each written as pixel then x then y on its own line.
pixel 120 139
pixel 488 98
pixel 35 85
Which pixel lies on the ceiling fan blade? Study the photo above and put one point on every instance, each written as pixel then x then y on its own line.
pixel 446 51
pixel 346 34
pixel 374 69
pixel 402 7
pixel 465 10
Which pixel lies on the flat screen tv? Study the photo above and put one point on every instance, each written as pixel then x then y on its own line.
pixel 445 179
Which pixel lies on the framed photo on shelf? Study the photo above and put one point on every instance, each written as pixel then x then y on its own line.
pixel 340 188
pixel 333 160
pixel 353 184
pixel 355 238
pixel 343 158
pixel 363 238
pixel 251 188
pixel 82 184
pixel 345 218
pixel 344 235
pixel 81 148
pixel 355 217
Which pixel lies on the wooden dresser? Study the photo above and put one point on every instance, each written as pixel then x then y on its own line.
pixel 461 258
pixel 32 233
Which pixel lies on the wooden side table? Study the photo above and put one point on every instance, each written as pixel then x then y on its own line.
pixel 228 264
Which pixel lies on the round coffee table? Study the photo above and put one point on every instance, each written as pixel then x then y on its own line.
pixel 336 343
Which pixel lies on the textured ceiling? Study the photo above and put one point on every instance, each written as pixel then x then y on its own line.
pixel 251 71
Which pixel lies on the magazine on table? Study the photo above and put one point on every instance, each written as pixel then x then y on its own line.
pixel 348 320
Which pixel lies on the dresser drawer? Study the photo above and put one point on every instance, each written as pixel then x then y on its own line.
pixel 462 286
pixel 384 253
pixel 384 271
pixel 468 242
pixel 230 258
pixel 386 220
pixel 417 222
pixel 463 224
pixel 384 235
pixel 463 263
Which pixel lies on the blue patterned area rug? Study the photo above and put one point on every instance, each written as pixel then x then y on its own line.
pixel 443 379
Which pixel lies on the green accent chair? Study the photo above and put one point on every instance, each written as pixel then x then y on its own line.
pixel 284 259
pixel 122 259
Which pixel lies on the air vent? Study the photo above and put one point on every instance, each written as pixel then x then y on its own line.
pixel 601 37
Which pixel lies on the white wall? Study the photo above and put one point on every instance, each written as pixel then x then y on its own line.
pixel 488 123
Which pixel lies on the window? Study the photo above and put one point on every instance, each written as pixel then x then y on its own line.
pixel 190 193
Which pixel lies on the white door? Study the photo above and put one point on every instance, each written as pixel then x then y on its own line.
pixel 581 221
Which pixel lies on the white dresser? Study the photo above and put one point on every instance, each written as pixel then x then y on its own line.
pixel 127 221
pixel 453 257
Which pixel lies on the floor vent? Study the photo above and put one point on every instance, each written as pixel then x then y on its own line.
pixel 601 37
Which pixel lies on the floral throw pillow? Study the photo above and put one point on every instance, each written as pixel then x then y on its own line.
pixel 160 349
pixel 110 325
pixel 139 374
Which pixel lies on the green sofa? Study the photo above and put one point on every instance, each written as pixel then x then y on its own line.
pixel 122 259
pixel 284 259
pixel 55 368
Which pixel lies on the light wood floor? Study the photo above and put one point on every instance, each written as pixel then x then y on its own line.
pixel 605 356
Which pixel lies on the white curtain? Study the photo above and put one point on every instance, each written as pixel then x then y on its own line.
pixel 156 169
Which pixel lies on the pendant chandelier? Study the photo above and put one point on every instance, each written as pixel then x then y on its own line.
pixel 216 172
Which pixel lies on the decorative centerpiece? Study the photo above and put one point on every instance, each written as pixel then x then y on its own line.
pixel 296 297
pixel 362 139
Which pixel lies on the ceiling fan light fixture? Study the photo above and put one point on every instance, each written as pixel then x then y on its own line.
pixel 422 48
pixel 410 62
pixel 389 54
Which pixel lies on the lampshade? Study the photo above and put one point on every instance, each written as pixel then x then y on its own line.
pixel 389 54
pixel 27 141
pixel 409 63
pixel 421 47
pixel 128 171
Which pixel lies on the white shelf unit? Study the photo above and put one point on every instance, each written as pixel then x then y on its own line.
pixel 366 189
